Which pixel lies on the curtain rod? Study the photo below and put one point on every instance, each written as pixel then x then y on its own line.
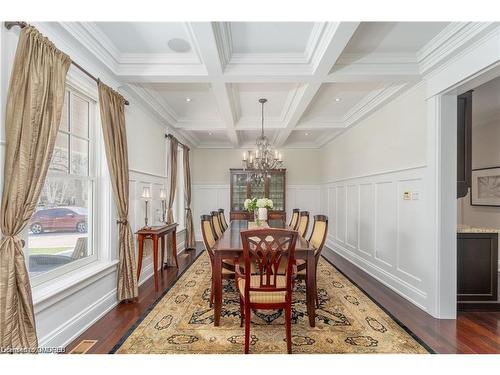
pixel 10 24
pixel 173 136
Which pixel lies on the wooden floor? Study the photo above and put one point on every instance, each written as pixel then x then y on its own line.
pixel 471 332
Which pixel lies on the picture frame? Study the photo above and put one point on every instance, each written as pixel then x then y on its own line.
pixel 485 187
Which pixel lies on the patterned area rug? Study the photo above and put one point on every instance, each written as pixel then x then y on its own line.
pixel 347 321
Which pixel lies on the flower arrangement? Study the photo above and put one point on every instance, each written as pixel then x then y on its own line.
pixel 253 204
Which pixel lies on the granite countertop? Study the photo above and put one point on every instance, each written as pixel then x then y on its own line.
pixel 471 229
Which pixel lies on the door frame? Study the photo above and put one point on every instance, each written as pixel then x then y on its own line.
pixel 475 66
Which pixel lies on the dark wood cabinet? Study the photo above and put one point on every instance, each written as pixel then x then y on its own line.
pixel 242 188
pixel 464 143
pixel 477 267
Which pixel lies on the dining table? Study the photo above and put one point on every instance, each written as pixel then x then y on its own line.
pixel 229 246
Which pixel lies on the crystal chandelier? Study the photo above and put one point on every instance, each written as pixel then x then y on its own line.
pixel 264 159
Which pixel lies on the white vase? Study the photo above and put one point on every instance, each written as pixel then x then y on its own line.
pixel 263 213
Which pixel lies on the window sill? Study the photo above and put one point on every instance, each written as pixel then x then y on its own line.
pixel 55 290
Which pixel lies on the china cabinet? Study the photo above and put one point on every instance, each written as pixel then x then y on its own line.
pixel 242 187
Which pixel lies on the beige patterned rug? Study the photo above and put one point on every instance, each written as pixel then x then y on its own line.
pixel 347 321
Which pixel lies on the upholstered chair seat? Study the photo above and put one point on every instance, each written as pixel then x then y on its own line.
pixel 260 296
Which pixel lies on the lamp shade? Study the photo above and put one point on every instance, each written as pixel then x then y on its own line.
pixel 146 192
pixel 163 194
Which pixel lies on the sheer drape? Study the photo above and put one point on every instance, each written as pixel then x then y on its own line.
pixel 33 113
pixel 190 242
pixel 112 107
pixel 172 187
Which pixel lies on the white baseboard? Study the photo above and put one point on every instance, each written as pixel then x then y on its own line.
pixel 399 286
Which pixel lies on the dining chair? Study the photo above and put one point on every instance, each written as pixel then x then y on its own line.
pixel 209 240
pixel 303 223
pixel 216 224
pixel 222 218
pixel 263 287
pixel 317 239
pixel 295 218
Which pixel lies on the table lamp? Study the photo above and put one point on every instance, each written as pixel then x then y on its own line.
pixel 146 195
pixel 163 197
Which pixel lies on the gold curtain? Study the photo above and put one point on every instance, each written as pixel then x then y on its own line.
pixel 112 107
pixel 172 183
pixel 34 108
pixel 190 243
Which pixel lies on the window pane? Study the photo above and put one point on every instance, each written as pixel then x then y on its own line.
pixel 58 230
pixel 79 116
pixel 60 159
pixel 64 124
pixel 79 156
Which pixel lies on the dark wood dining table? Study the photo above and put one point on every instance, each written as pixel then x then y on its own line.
pixel 229 246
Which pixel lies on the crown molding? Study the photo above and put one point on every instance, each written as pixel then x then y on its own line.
pixel 449 42
pixel 98 44
pixel 157 105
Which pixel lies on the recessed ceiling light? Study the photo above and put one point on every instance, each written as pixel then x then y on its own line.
pixel 179 45
pixel 188 100
pixel 209 133
pixel 338 100
pixel 306 133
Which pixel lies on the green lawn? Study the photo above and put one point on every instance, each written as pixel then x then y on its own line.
pixel 48 250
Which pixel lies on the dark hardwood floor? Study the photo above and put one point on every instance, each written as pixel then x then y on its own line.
pixel 471 332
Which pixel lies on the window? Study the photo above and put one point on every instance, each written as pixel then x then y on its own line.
pixel 180 203
pixel 61 229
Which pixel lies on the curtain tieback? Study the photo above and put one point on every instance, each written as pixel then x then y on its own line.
pixel 122 221
pixel 15 238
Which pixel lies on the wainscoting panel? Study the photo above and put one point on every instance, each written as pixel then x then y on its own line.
pixel 386 222
pixel 352 216
pixel 341 215
pixel 207 198
pixel 367 219
pixel 374 227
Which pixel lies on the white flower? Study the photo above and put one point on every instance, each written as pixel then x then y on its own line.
pixel 269 203
pixel 246 203
pixel 261 202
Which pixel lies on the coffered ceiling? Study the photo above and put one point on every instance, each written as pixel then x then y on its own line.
pixel 205 79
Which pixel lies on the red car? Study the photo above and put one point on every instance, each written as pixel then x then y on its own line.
pixel 59 219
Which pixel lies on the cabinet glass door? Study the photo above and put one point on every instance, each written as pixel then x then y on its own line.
pixel 239 192
pixel 277 191
pixel 257 189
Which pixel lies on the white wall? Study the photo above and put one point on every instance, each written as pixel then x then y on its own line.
pixel 364 173
pixel 69 305
pixel 210 177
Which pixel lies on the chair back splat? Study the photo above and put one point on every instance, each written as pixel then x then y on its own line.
pixel 222 219
pixel 267 249
pixel 216 224
pixel 207 230
pixel 303 223
pixel 295 219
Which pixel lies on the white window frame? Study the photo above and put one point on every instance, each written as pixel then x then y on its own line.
pixel 97 191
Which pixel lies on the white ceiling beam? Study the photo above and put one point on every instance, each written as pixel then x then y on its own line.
pixel 336 37
pixel 205 40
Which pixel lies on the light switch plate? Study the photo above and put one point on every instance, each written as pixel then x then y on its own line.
pixel 415 195
pixel 407 195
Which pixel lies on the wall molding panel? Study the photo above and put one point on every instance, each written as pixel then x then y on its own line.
pixel 373 227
